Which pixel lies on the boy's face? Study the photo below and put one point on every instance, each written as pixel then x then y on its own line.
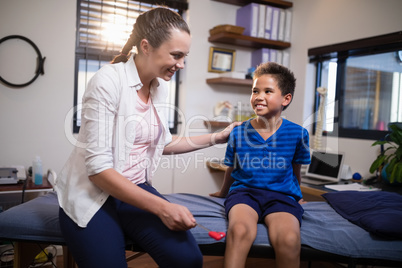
pixel 266 97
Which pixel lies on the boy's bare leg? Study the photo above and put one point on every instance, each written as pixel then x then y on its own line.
pixel 284 236
pixel 241 234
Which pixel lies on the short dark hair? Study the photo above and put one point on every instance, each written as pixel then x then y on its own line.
pixel 284 77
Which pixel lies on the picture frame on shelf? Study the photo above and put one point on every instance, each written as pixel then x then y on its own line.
pixel 221 60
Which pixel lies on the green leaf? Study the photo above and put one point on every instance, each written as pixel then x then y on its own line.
pixel 394 173
pixel 388 148
pixel 393 137
pixel 399 173
pixel 398 153
pixel 393 170
pixel 396 134
pixel 392 176
pixel 379 143
pixel 390 166
pixel 377 163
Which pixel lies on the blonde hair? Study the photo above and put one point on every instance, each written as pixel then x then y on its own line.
pixel 154 25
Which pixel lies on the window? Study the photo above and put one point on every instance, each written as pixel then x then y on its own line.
pixel 103 27
pixel 364 85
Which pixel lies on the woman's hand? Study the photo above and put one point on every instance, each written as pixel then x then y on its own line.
pixel 176 217
pixel 181 144
pixel 223 136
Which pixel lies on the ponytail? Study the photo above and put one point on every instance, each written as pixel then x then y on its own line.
pixel 125 52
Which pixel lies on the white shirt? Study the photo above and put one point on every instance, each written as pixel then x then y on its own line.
pixel 106 137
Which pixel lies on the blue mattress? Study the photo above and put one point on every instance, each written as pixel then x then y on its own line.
pixel 322 227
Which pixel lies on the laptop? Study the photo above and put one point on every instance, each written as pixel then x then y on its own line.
pixel 325 168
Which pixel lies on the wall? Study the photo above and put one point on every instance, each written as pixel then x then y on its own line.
pixel 318 23
pixel 33 118
pixel 197 98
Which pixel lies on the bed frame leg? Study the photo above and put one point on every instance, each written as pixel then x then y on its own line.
pixel 134 256
pixel 25 253
pixel 352 264
pixel 68 260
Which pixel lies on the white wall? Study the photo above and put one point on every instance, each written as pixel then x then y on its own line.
pixel 32 118
pixel 324 22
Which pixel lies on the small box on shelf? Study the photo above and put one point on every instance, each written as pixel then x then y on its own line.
pixel 230 81
pixel 237 75
pixel 276 3
pixel 246 41
pixel 226 28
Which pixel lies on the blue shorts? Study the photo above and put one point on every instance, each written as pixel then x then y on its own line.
pixel 263 202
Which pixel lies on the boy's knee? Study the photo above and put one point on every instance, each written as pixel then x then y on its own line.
pixel 288 242
pixel 292 239
pixel 241 231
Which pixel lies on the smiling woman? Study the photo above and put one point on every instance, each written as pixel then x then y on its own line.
pixel 122 121
pixel 102 30
pixel 105 189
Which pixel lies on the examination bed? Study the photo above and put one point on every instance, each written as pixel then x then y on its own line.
pixel 325 234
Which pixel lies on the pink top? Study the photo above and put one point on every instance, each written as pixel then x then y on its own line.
pixel 149 132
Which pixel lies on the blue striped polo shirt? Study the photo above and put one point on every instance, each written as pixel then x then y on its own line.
pixel 267 164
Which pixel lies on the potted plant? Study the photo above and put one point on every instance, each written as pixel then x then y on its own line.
pixel 389 161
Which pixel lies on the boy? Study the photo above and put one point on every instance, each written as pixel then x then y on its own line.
pixel 262 182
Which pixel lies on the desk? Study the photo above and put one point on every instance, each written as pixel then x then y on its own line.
pixel 313 192
pixel 14 194
pixel 310 192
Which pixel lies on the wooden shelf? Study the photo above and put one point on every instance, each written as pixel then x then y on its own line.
pixel 275 3
pixel 247 41
pixel 29 187
pixel 230 81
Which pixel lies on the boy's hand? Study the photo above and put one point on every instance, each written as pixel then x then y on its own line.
pixel 302 201
pixel 218 194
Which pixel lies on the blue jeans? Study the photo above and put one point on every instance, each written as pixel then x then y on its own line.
pixel 102 242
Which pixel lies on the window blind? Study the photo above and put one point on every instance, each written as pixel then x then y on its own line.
pixel 106 24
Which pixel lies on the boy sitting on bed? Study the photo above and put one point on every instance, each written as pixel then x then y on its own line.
pixel 264 156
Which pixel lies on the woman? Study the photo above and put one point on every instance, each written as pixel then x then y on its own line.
pixel 104 189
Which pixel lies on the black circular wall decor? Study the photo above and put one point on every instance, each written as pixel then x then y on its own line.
pixel 39 68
